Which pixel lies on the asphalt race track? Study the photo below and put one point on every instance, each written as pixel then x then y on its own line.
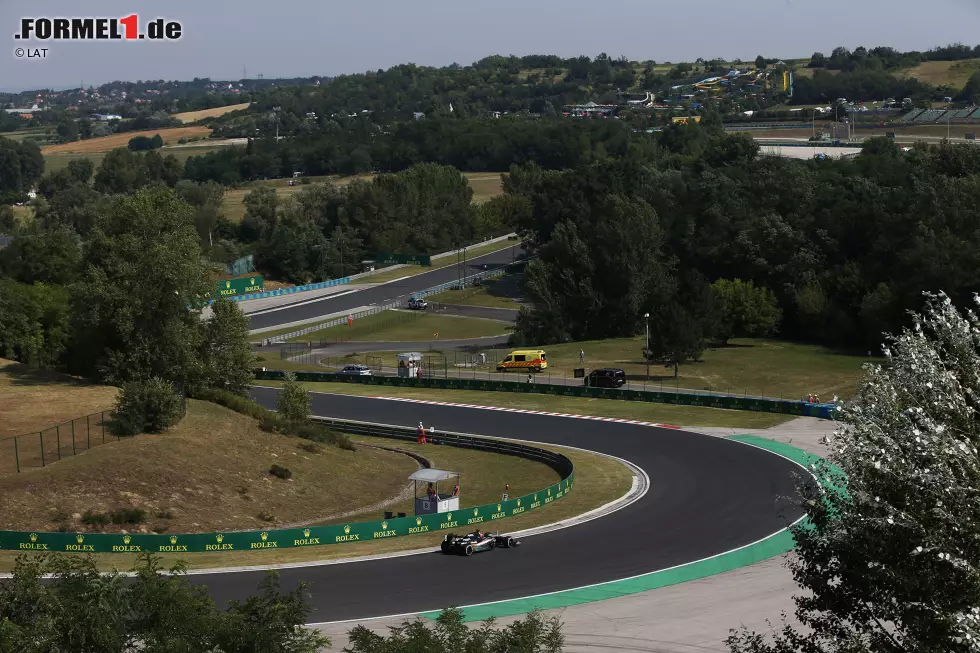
pixel 707 495
pixel 383 293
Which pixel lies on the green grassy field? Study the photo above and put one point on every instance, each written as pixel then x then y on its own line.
pixel 502 292
pixel 404 326
pixel 56 161
pixel 756 367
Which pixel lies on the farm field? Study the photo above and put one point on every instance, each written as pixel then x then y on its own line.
pixel 106 143
pixel 953 73
pixel 193 116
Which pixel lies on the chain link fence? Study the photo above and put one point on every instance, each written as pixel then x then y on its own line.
pixel 41 448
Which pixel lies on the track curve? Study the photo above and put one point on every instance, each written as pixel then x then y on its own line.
pixel 707 495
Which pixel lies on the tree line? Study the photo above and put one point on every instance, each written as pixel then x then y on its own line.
pixel 844 248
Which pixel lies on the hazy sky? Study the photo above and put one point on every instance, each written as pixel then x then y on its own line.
pixel 300 38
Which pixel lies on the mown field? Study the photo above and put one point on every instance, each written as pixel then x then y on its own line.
pixel 106 143
pixel 953 73
pixel 194 116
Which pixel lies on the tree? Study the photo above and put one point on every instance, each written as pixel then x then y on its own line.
pixel 8 221
pixel 34 323
pixel 48 257
pixel 21 166
pixel 745 311
pixel 889 561
pixel 293 402
pixel 260 214
pixel 760 62
pixel 226 354
pixel 67 130
pixel 130 316
pixel 156 142
pixel 533 634
pixel 140 144
pixel 150 406
pixel 971 91
pixel 818 60
pixel 155 612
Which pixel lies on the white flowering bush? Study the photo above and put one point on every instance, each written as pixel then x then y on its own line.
pixel 889 559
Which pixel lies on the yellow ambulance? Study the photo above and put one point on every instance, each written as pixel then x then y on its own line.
pixel 530 360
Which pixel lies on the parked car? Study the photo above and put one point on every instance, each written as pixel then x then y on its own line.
pixel 417 304
pixel 355 370
pixel 607 377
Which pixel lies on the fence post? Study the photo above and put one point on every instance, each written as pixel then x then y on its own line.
pixel 57 432
pixel 16 456
pixel 73 452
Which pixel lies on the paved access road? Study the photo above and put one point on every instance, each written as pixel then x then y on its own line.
pixel 378 295
pixel 707 495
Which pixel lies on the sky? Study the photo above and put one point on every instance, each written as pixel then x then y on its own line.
pixel 303 38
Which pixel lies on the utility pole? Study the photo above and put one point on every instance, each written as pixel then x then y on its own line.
pixel 646 355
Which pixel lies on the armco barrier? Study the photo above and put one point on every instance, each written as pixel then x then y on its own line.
pixel 756 404
pixel 318 535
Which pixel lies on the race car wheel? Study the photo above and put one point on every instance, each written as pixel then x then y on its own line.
pixel 468 551
pixel 493 543
pixel 509 542
pixel 445 547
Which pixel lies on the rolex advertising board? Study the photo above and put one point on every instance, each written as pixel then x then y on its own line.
pixel 460 520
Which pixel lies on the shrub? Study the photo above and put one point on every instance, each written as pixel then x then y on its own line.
pixel 165 514
pixel 265 516
pixel 293 402
pixel 280 471
pixel 94 518
pixel 146 407
pixel 271 422
pixel 128 516
pixel 310 447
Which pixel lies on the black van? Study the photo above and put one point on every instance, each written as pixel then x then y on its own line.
pixel 607 377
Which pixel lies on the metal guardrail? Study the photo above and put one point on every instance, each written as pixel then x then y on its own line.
pixel 479 276
pixel 561 464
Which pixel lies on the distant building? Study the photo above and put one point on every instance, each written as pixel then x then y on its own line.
pixel 419 115
pixel 106 116
pixel 590 109
pixel 25 111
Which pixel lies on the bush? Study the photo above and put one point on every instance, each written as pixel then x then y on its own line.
pixel 140 144
pixel 128 516
pixel 94 518
pixel 293 402
pixel 310 447
pixel 282 472
pixel 274 422
pixel 146 407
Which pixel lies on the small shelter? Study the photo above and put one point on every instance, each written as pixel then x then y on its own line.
pixel 409 364
pixel 432 500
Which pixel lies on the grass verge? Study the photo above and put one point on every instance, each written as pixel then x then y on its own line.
pixel 598 480
pixel 502 292
pixel 31 401
pixel 657 413
pixel 408 326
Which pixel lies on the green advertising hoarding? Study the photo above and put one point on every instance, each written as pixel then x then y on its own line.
pixel 385 258
pixel 463 520
pixel 241 286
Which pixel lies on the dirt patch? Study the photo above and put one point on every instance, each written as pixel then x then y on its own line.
pixel 211 472
pixel 108 143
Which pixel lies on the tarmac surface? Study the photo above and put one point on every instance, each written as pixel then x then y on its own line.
pixel 378 294
pixel 693 617
pixel 707 495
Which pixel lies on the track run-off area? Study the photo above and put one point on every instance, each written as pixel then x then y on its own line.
pixel 707 496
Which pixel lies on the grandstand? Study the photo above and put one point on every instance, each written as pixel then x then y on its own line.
pixel 930 115
pixel 962 114
pixel 911 115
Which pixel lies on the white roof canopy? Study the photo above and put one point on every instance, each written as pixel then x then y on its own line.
pixel 432 475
